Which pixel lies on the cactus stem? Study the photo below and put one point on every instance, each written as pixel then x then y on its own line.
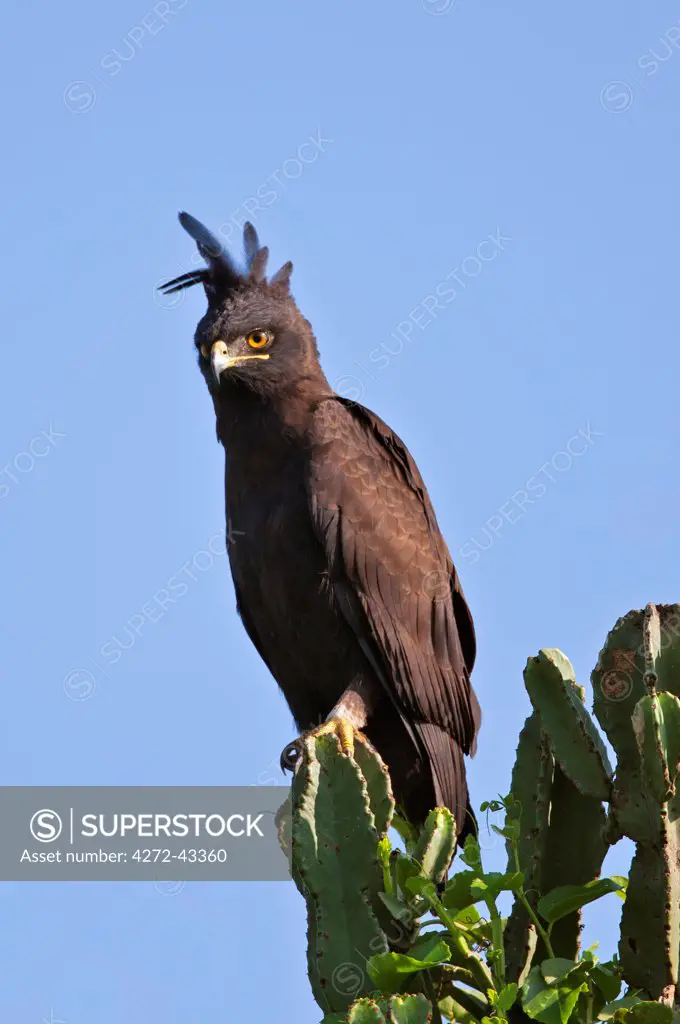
pixel 545 936
pixel 497 931
pixel 432 995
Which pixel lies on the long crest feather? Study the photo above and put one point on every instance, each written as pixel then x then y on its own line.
pixel 258 265
pixel 256 255
pixel 210 248
pixel 222 275
pixel 281 279
pixel 184 281
pixel 251 243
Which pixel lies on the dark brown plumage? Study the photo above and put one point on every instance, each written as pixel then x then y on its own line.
pixel 343 580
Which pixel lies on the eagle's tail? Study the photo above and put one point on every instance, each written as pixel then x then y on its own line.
pixel 446 785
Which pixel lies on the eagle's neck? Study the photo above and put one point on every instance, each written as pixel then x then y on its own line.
pixel 247 420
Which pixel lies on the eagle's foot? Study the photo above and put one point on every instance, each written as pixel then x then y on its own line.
pixel 336 724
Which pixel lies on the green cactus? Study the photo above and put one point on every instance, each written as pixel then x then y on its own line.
pixel 358 889
pixel 335 864
pixel 561 774
pixel 636 688
pixel 574 851
pixel 650 923
pixel 365 1011
pixel 531 787
pixel 410 1009
pixel 436 845
pixel 574 739
pixel 656 723
pixel 618 685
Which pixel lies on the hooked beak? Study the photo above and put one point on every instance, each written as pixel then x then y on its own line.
pixel 220 360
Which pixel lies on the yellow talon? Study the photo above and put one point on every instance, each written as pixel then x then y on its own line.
pixel 340 727
pixel 337 726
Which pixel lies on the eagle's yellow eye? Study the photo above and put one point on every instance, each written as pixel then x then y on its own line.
pixel 259 339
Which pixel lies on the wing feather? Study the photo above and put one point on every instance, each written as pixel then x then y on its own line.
pixel 401 593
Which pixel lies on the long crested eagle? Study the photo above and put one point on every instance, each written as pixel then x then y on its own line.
pixel 343 580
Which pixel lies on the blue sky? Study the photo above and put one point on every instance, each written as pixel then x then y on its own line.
pixel 438 126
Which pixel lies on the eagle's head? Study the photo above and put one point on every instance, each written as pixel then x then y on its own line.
pixel 252 340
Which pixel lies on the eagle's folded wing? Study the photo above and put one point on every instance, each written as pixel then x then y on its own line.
pixel 390 568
